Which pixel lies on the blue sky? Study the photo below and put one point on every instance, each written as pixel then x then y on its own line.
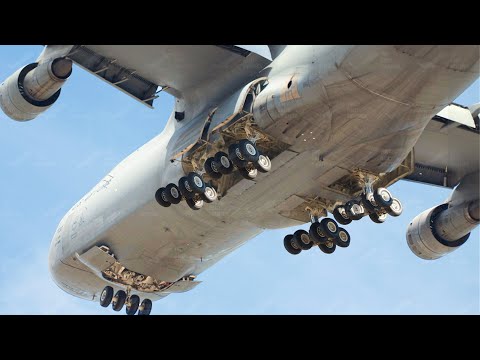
pixel 52 161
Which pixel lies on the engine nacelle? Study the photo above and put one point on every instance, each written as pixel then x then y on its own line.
pixel 441 229
pixel 34 88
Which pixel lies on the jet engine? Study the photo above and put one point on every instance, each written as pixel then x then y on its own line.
pixel 34 88
pixel 444 228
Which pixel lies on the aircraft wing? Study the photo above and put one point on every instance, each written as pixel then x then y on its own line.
pixel 184 71
pixel 448 148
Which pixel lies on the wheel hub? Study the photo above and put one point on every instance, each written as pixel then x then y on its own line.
pixel 174 192
pixel 187 186
pixel 225 162
pixel 197 181
pixel 329 244
pixel 209 192
pixel 305 239
pixel 103 295
pixel 164 198
pixel 293 244
pixel 343 236
pixel 331 226
pixel 251 149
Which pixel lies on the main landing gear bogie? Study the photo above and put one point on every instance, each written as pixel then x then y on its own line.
pixel 326 234
pixel 242 155
pixel 132 302
pixel 376 204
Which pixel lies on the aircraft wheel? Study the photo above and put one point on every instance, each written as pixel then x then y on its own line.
pixel 210 195
pixel 181 186
pixel 248 150
pixel 328 247
pixel 145 307
pixel 248 174
pixel 106 296
pixel 291 246
pixel 317 234
pixel 396 208
pixel 330 227
pixel 263 164
pixel 367 204
pixel 119 300
pixel 162 198
pixel 379 219
pixel 195 204
pixel 211 167
pixel 302 239
pixel 343 238
pixel 172 193
pixel 132 305
pixel 235 155
pixel 354 209
pixel 341 216
pixel 383 197
pixel 224 164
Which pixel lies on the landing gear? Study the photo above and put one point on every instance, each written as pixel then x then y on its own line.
pixel 290 245
pixel 244 155
pixel 325 233
pixel 132 304
pixel 161 197
pixel 210 194
pixel 263 164
pixel 395 209
pixel 172 194
pixel 341 216
pixel 248 173
pixel 378 218
pixel 343 238
pixel 383 197
pixel 106 296
pixel 195 204
pixel 328 247
pixel 119 300
pixel 145 307
pixel 354 210
pixel 302 240
pixel 224 164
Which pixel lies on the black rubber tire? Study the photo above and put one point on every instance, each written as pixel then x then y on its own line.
pixel 299 237
pixel 119 300
pixel 316 233
pixel 224 166
pixel 340 219
pixel 211 167
pixel 383 197
pixel 196 183
pixel 159 198
pixel 329 247
pixel 132 305
pixel 330 227
pixel 145 307
pixel 343 238
pixel 181 186
pixel 210 194
pixel 195 204
pixel 173 194
pixel 233 155
pixel 367 204
pixel 395 209
pixel 287 242
pixel 352 204
pixel 106 296
pixel 248 174
pixel 248 150
pixel 263 164
pixel 377 219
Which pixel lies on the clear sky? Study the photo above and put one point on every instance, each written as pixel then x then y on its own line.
pixel 48 164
